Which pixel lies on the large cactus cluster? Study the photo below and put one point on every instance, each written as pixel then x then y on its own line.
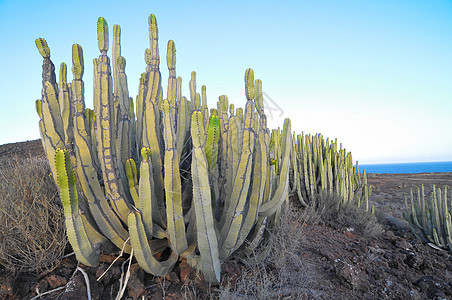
pixel 168 176
pixel 319 165
pixel 430 221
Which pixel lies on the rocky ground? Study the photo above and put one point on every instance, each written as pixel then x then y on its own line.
pixel 338 262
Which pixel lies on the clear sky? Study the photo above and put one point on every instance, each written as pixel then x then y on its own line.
pixel 376 75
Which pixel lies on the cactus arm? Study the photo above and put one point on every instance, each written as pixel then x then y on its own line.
pixel 151 136
pixel 172 80
pixel 172 181
pixel 92 230
pixel 182 122
pixel 131 172
pixel 192 85
pixel 109 224
pixel 65 105
pixel 255 237
pixel 124 146
pixel 259 179
pixel 106 128
pixel 206 235
pixel 213 131
pixel 51 122
pixel 448 230
pixel 116 53
pixel 146 202
pixel 204 108
pixel 139 113
pixel 151 141
pixel 233 221
pixel 278 198
pixel 142 249
pixel 85 252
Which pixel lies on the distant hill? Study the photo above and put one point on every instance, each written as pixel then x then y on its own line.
pixel 22 149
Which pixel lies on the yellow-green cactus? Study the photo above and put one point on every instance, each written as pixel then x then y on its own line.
pixel 166 174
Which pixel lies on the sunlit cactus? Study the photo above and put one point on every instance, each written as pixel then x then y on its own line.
pixel 317 165
pixel 167 173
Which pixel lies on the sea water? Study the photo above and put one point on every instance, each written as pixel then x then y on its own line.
pixel 423 167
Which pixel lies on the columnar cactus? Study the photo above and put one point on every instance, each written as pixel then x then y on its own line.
pixel 318 165
pixel 431 222
pixel 168 174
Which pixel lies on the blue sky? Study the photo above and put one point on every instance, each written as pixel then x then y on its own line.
pixel 376 75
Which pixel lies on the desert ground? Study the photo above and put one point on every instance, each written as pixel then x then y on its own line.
pixel 327 259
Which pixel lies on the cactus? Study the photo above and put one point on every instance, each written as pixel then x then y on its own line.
pixel 318 165
pixel 431 222
pixel 166 174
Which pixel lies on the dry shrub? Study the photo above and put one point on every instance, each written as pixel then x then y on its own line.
pixel 281 273
pixel 331 209
pixel 32 229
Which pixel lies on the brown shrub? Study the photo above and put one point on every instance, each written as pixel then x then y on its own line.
pixel 32 229
pixel 330 209
pixel 281 273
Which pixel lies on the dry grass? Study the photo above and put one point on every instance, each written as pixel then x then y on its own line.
pixel 282 272
pixel 347 215
pixel 32 229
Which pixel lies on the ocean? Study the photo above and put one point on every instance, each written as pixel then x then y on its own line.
pixel 424 167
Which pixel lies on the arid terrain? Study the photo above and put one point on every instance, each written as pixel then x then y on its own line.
pixel 329 260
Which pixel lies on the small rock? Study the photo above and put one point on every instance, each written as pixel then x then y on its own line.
pixel 75 288
pixel 135 286
pixel 157 295
pixel 427 266
pixel 439 265
pixel 113 274
pixel 371 249
pixel 172 277
pixel 346 274
pixel 349 234
pixel 390 234
pixel 327 253
pixel 415 295
pixel 56 281
pixel 174 296
pixel 66 272
pixel 41 286
pixel 372 243
pixel 109 258
pixel 6 287
pixel 232 272
pixel 184 270
pixel 413 261
pixel 428 285
pixel 404 245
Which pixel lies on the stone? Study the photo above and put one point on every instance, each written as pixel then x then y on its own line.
pixel 75 288
pixel 113 274
pixel 56 281
pixel 135 286
pixel 346 274
pixel 172 277
pixel 404 245
pixel 6 287
pixel 413 261
pixel 41 286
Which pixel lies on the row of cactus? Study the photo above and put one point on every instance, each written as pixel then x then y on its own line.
pixel 319 165
pixel 169 175
pixel 430 221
